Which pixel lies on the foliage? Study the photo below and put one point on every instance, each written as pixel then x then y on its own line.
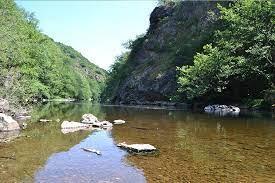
pixel 118 71
pixel 238 64
pixel 34 67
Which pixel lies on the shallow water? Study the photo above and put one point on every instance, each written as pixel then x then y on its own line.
pixel 193 147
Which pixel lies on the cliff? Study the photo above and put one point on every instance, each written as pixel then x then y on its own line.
pixel 177 31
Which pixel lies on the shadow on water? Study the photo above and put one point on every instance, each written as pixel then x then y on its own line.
pixel 194 147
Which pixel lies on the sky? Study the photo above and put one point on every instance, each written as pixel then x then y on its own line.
pixel 97 29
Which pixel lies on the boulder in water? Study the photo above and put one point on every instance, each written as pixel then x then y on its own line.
pixel 224 109
pixel 118 122
pixel 7 123
pixel 89 119
pixel 137 148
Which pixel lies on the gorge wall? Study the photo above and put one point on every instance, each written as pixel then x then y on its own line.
pixel 177 31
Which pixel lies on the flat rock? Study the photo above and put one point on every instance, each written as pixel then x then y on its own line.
pixel 45 120
pixel 139 148
pixel 7 123
pixel 118 122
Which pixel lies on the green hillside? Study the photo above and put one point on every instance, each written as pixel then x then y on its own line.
pixel 34 67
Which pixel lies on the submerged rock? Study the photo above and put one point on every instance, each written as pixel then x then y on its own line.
pixel 137 148
pixel 119 121
pixel 92 150
pixel 89 119
pixel 72 124
pixel 8 135
pixel 7 123
pixel 71 130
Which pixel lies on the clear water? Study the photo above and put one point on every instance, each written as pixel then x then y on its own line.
pixel 194 147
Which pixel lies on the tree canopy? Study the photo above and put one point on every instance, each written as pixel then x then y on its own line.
pixel 239 63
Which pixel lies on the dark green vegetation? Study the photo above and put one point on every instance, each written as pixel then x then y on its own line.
pixel 34 67
pixel 239 64
pixel 224 52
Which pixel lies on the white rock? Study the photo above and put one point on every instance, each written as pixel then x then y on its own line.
pixel 89 119
pixel 45 120
pixel 72 124
pixel 118 122
pixel 7 123
pixel 137 147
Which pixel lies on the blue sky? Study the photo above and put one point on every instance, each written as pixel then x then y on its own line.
pixel 95 28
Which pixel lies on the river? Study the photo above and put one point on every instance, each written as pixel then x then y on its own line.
pixel 193 147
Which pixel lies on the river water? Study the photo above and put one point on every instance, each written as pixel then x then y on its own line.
pixel 193 147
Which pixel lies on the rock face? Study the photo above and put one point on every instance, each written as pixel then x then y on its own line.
pixel 152 62
pixel 137 148
pixel 7 123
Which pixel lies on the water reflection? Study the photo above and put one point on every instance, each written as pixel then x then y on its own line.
pixel 193 147
pixel 77 165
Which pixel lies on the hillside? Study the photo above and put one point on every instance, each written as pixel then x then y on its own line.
pixel 199 52
pixel 177 31
pixel 34 67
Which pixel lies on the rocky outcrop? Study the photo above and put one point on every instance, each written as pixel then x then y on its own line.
pixel 7 123
pixel 166 45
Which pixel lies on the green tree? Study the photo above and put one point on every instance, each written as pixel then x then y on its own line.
pixel 239 63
